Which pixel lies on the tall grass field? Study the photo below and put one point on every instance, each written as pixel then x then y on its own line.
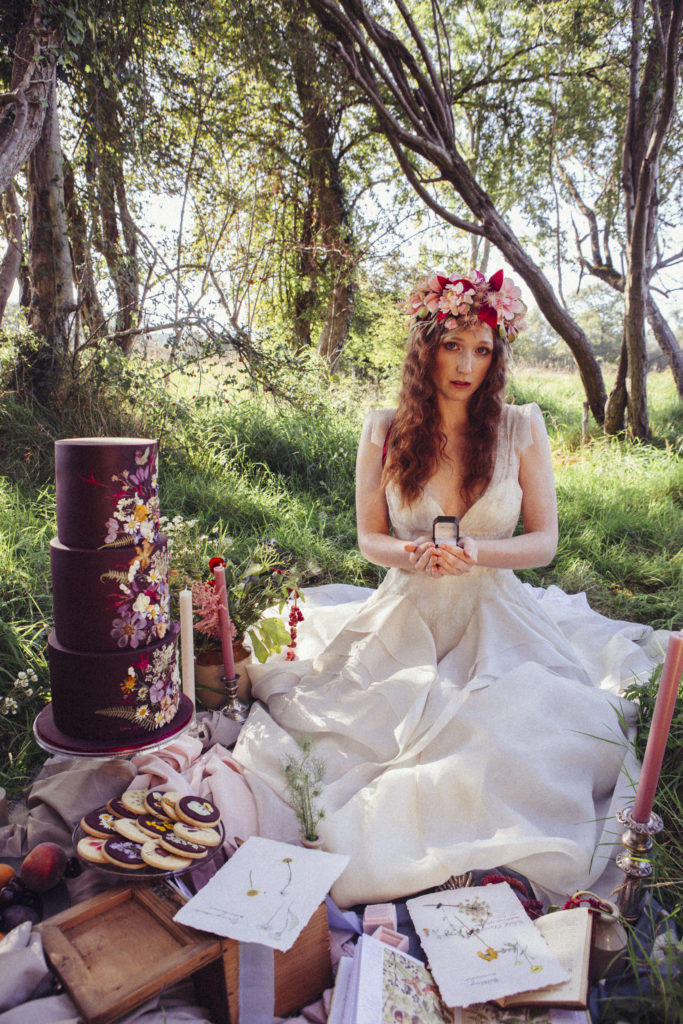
pixel 239 466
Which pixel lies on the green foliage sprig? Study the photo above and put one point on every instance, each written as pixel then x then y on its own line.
pixel 304 777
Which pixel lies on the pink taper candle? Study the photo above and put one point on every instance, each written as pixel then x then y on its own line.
pixel 659 729
pixel 224 620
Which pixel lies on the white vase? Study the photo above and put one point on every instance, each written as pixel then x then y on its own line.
pixel 311 844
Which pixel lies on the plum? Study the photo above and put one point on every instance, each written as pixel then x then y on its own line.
pixel 43 867
pixel 13 916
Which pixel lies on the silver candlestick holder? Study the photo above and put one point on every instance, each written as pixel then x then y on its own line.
pixel 235 709
pixel 635 863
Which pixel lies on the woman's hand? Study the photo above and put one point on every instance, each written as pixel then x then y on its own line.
pixel 420 555
pixel 454 559
pixel 444 559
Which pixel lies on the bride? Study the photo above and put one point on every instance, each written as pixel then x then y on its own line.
pixel 465 720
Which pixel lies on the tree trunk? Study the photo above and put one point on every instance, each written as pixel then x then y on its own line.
pixel 667 341
pixel 330 230
pixel 89 306
pixel 337 320
pixel 11 263
pixel 51 272
pixel 24 107
pixel 116 234
pixel 615 408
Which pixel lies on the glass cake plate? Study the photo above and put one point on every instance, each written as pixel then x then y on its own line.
pixel 147 872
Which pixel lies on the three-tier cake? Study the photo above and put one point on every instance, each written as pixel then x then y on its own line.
pixel 113 664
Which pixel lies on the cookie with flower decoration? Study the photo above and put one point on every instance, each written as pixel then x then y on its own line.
pixel 199 811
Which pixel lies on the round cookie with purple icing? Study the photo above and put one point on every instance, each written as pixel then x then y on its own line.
pixel 117 808
pixel 99 823
pixel 153 803
pixel 123 853
pixel 182 847
pixel 199 811
pixel 154 854
pixel 153 826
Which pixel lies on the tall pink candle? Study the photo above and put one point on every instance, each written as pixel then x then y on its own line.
pixel 659 729
pixel 224 621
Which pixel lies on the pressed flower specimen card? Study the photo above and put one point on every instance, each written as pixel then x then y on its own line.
pixel 486 932
pixel 267 893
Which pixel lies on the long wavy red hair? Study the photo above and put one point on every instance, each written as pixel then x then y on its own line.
pixel 416 443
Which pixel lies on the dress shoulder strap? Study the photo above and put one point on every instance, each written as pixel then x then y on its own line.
pixel 386 443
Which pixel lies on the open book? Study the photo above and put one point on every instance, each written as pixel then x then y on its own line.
pixel 568 933
pixel 382 985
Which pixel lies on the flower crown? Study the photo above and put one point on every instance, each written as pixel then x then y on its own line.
pixel 463 302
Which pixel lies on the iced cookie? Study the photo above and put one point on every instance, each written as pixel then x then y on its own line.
pixel 123 853
pixel 157 857
pixel 152 826
pixel 182 847
pixel 153 802
pixel 169 801
pixel 90 848
pixel 116 808
pixel 134 801
pixel 128 828
pixel 203 836
pixel 198 811
pixel 99 823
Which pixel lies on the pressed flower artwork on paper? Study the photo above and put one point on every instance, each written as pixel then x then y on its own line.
pixel 488 933
pixel 266 893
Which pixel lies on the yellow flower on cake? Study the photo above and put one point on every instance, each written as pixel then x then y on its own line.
pixel 142 714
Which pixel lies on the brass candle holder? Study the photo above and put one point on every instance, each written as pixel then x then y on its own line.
pixel 635 863
pixel 234 709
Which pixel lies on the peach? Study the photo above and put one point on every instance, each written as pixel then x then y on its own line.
pixel 43 867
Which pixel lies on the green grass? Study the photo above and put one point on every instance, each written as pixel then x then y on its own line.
pixel 246 467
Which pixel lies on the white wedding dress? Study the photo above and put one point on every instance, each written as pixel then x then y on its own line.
pixel 465 723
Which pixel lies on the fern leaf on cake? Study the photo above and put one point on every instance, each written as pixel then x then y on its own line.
pixel 130 714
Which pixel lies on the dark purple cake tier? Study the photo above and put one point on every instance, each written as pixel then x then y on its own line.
pixel 106 491
pixel 112 599
pixel 121 694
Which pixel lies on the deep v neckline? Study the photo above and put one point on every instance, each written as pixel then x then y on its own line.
pixel 428 489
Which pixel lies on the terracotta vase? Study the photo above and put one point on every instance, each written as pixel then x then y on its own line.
pixel 208 672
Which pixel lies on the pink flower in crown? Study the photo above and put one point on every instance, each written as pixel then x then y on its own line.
pixel 456 298
pixel 507 301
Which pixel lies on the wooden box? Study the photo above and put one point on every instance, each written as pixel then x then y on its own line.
pixel 120 948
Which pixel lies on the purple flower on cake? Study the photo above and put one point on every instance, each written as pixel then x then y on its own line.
pixel 157 692
pixel 129 632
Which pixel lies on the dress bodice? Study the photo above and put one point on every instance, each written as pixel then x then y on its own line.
pixel 496 513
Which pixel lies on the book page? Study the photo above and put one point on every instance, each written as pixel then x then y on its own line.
pixel 341 991
pixel 481 945
pixel 568 934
